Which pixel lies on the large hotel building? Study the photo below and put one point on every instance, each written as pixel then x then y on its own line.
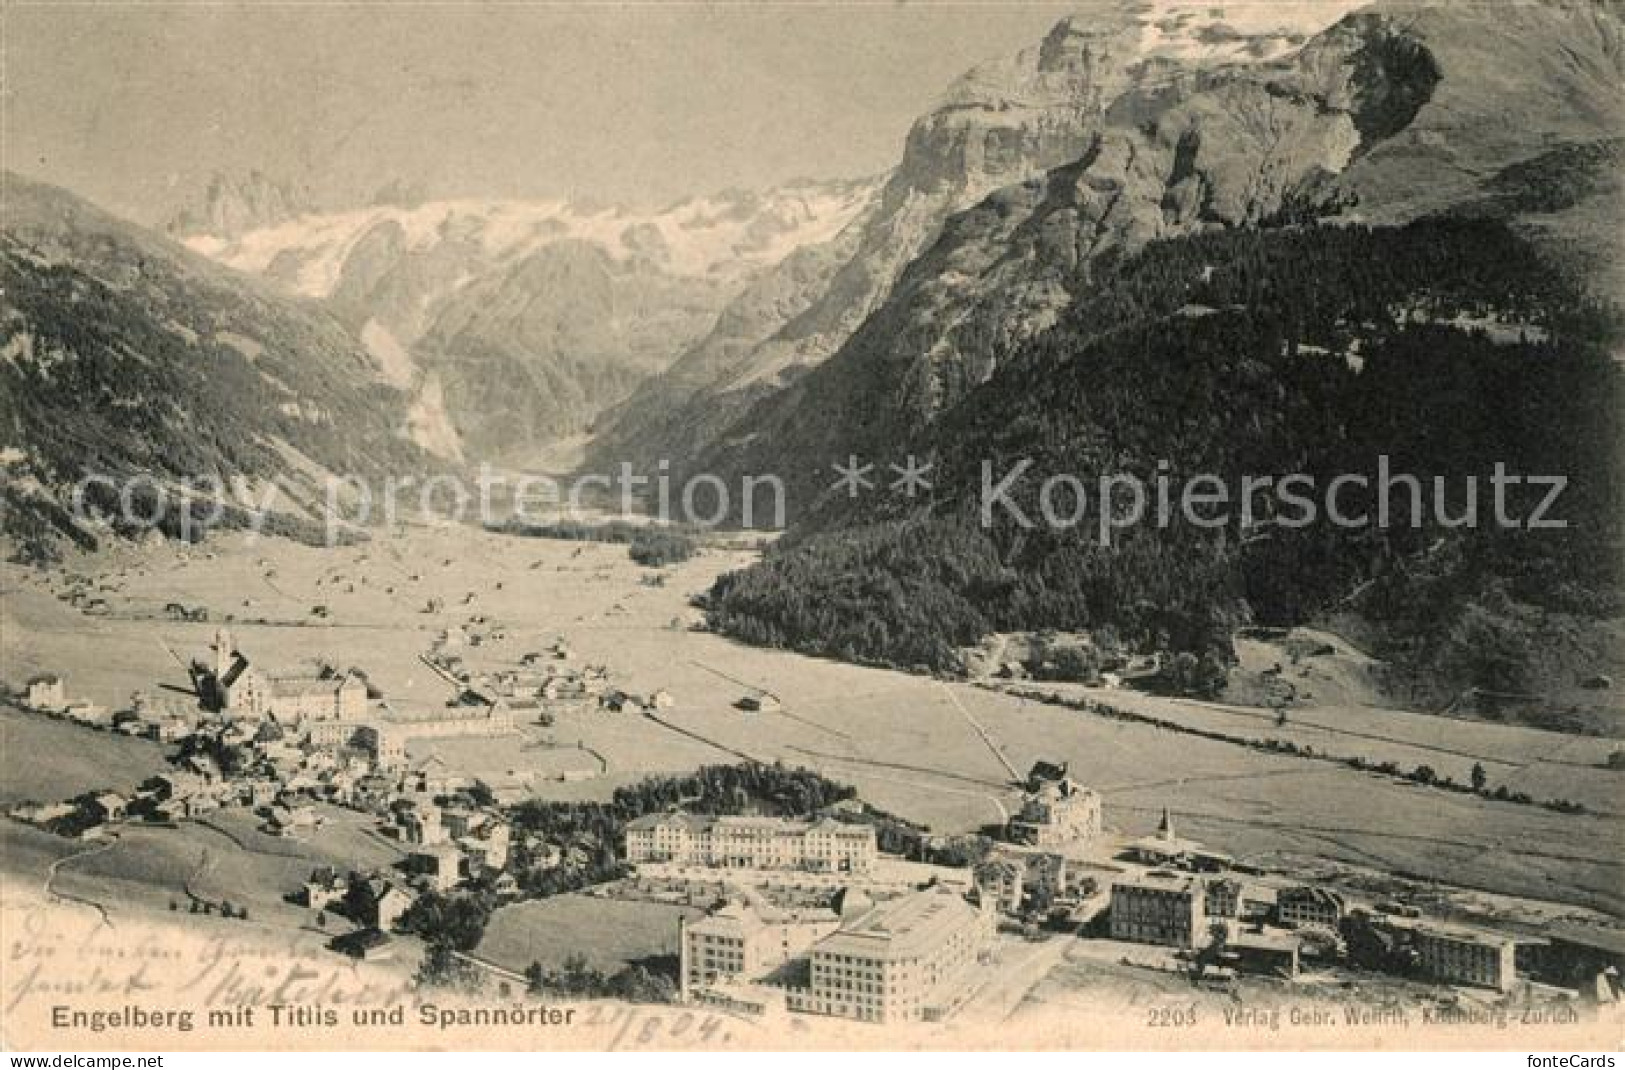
pixel 1462 956
pixel 825 846
pixel 900 960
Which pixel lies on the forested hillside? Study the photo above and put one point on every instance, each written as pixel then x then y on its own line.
pixel 1447 346
pixel 125 354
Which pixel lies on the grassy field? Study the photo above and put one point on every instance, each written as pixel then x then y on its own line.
pixel 908 743
pixel 223 860
pixel 1543 765
pixel 612 933
pixel 43 759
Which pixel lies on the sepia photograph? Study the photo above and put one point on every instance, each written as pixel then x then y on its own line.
pixel 827 526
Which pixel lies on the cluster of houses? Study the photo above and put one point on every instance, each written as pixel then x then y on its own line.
pixel 449 842
pixel 1194 900
pixel 448 839
pixel 374 902
pixel 336 709
pixel 260 767
pixel 1031 874
pixel 288 746
pixel 274 743
pixel 289 775
pixel 1184 895
pixel 86 594
pixel 83 816
pixel 1251 928
pixel 543 682
pixel 147 716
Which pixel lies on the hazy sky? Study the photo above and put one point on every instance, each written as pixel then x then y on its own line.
pixel 133 106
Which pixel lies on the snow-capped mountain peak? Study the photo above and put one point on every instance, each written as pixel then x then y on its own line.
pixel 721 236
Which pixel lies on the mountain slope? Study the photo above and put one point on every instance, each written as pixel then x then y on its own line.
pixel 677 413
pixel 1199 288
pixel 1002 123
pixel 529 354
pixel 1515 79
pixel 588 300
pixel 124 354
pixel 232 205
pixel 1242 354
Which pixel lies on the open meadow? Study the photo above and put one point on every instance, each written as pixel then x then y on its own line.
pixel 42 759
pixel 610 933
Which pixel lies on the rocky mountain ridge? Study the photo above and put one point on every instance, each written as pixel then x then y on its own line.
pixel 1336 131
pixel 234 204
pixel 1000 124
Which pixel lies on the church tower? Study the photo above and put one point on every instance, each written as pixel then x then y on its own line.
pixel 224 651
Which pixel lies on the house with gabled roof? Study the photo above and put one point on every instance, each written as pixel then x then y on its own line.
pixel 325 887
pixel 381 902
pixel 47 692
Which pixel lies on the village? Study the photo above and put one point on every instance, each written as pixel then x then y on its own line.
pixel 798 913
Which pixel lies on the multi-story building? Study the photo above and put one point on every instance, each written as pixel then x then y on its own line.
pixel 381 902
pixel 385 744
pixel 245 691
pixel 1464 956
pixel 741 941
pixel 325 887
pixel 900 960
pixel 47 693
pixel 341 698
pixel 440 865
pixel 331 710
pixel 1056 810
pixel 420 823
pixel 825 846
pixel 1265 953
pixel 1308 907
pixel 1160 908
pixel 1224 898
pixel 1001 881
pixel 488 846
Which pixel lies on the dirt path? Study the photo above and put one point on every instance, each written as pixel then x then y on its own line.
pixel 981 731
pixel 55 868
pixel 1296 719
pixel 723 747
